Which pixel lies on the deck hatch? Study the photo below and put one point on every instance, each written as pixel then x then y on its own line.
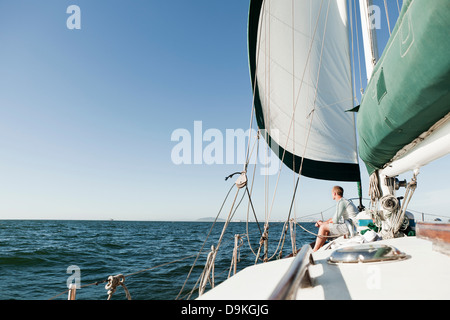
pixel 366 253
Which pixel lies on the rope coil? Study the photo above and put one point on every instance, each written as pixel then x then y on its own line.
pixel 208 272
pixel 113 282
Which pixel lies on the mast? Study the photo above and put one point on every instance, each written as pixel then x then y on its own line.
pixel 368 24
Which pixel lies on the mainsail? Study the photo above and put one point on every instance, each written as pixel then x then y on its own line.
pixel 300 67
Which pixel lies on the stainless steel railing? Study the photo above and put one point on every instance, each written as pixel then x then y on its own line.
pixel 296 277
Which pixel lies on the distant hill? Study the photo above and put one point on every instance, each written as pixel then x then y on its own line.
pixel 210 219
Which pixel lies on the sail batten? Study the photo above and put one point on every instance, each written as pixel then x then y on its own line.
pixel 300 67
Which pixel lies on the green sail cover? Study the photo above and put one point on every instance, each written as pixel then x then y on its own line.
pixel 409 88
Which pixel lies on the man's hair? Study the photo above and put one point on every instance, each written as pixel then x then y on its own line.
pixel 338 190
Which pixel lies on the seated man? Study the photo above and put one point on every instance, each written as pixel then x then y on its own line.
pixel 345 209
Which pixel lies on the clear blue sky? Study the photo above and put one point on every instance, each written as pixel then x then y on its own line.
pixel 86 116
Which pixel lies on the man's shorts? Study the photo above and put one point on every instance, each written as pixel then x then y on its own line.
pixel 338 229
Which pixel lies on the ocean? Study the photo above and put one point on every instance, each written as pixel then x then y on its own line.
pixel 39 257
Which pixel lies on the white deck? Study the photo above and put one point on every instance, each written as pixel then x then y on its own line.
pixel 424 275
pixel 252 283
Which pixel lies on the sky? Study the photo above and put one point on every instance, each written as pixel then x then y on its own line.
pixel 89 117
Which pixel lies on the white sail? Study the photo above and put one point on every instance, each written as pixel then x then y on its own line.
pixel 303 86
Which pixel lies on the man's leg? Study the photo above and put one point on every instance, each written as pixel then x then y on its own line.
pixel 323 231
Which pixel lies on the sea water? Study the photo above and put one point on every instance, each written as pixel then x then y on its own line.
pixel 161 260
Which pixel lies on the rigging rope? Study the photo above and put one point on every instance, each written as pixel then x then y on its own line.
pixel 387 16
pixel 321 236
pixel 229 218
pixel 238 243
pixel 357 45
pixel 209 269
pixel 209 233
pixel 113 282
pixel 401 222
pixel 374 191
